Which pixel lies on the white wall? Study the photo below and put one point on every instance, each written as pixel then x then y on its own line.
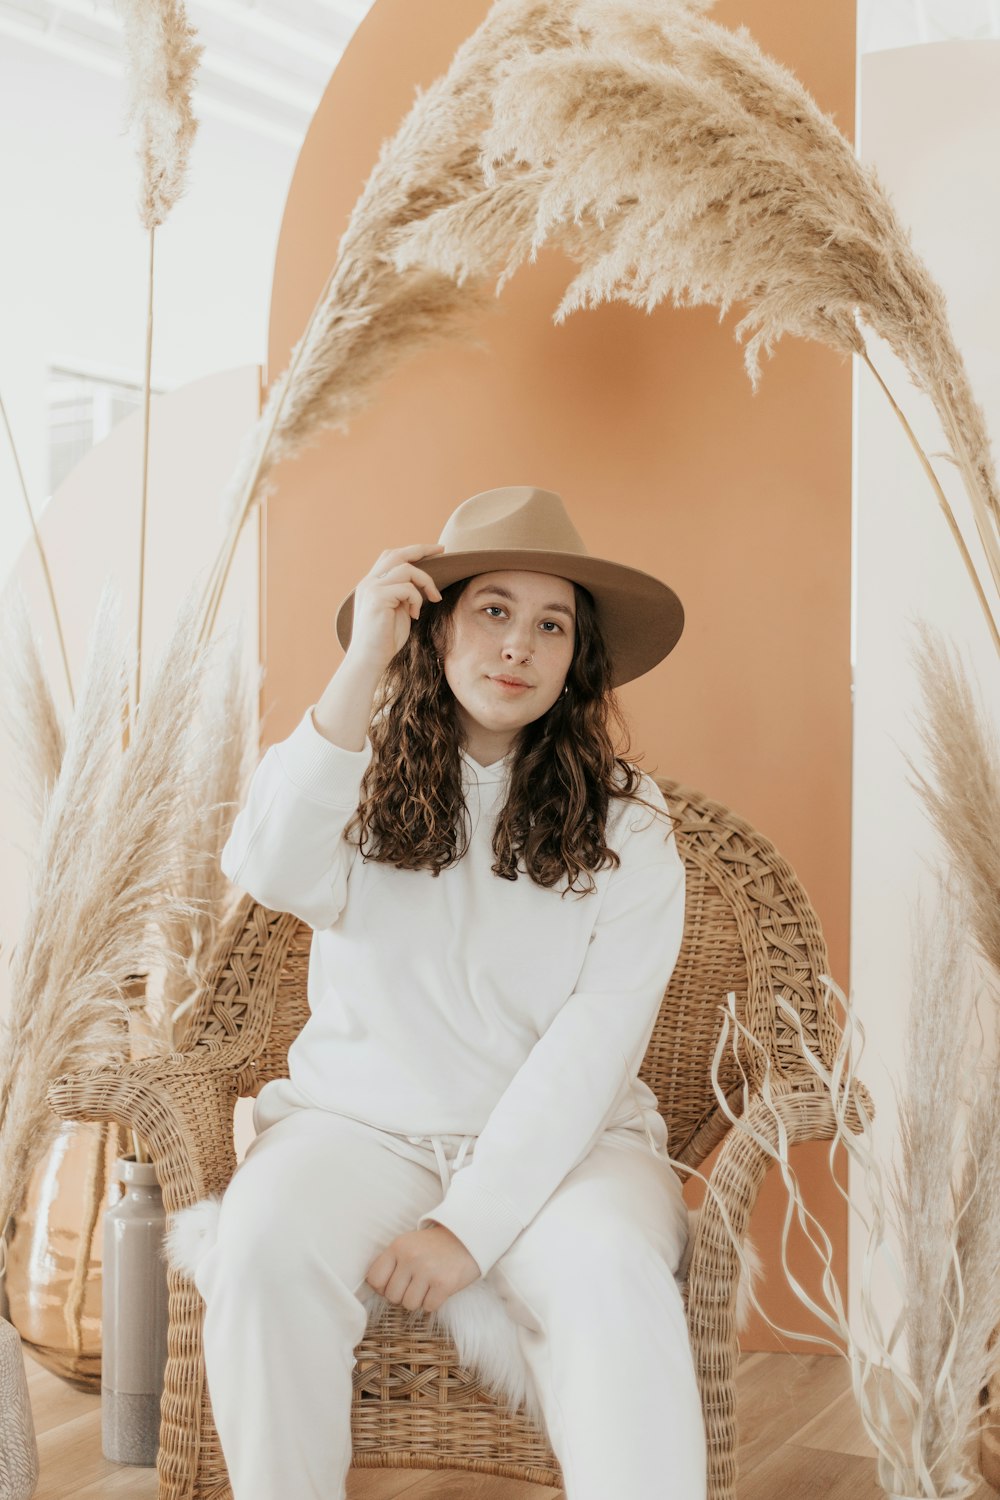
pixel 930 124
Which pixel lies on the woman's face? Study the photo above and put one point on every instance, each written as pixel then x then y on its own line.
pixel 508 624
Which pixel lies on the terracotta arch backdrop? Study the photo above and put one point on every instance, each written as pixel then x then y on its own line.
pixel 646 424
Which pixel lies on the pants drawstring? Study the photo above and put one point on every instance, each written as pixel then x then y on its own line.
pixel 442 1159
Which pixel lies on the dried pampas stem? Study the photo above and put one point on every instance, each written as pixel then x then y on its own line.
pixel 161 60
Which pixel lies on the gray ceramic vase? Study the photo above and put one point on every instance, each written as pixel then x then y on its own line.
pixel 18 1447
pixel 133 1317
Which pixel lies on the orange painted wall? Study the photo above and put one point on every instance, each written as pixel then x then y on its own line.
pixel 647 425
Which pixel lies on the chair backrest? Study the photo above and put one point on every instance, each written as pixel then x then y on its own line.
pixel 749 927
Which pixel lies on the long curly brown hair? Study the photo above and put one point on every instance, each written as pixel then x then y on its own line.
pixel 564 769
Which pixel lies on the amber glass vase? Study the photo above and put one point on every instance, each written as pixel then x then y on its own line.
pixel 54 1251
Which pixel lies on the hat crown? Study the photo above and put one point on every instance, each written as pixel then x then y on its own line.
pixel 514 516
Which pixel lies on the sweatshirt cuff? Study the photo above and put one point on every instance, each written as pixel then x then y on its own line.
pixel 322 770
pixel 485 1223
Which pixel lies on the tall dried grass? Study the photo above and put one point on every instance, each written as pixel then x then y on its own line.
pixel 962 800
pixel 161 62
pixel 109 878
pixel 940 1205
pixel 962 795
pixel 669 156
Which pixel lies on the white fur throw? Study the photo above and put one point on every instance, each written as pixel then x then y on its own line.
pixel 474 1318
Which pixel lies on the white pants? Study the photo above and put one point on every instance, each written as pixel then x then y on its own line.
pixel 589 1284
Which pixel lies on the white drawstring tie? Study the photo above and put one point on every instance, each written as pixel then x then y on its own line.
pixel 442 1159
pixel 445 1169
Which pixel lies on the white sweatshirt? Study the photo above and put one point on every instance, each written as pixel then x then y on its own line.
pixel 464 1003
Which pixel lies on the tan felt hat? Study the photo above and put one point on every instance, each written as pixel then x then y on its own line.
pixel 519 526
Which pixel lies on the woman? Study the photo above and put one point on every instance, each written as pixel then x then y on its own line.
pixel 498 903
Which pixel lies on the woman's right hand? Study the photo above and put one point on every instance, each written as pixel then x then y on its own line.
pixel 387 601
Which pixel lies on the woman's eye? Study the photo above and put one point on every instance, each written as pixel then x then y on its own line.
pixel 544 622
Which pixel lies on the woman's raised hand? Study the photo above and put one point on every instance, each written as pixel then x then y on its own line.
pixel 387 601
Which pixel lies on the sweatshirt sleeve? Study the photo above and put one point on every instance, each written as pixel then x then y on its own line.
pixel 286 845
pixel 568 1087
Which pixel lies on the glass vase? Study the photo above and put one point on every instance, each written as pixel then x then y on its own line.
pixel 53 1281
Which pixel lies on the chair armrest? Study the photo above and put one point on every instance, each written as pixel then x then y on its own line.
pixel 181 1105
pixel 737 1177
pixel 714 1269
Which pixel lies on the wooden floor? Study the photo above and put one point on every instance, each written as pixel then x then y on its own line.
pixel 800 1440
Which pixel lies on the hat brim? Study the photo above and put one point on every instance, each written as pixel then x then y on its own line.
pixel 641 617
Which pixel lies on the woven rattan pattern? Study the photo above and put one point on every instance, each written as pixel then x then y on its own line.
pixel 749 927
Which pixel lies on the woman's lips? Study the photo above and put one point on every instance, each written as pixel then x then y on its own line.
pixel 510 687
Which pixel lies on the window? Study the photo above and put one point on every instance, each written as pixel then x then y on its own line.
pixel 82 406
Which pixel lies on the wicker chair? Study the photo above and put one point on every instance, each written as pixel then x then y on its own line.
pixel 749 927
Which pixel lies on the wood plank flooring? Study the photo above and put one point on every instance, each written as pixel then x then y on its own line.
pixel 801 1439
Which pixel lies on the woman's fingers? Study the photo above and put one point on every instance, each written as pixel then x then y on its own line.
pixel 389 598
pixel 393 555
pixel 413 572
pixel 404 557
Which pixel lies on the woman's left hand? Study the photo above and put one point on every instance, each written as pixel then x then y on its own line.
pixel 422 1268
